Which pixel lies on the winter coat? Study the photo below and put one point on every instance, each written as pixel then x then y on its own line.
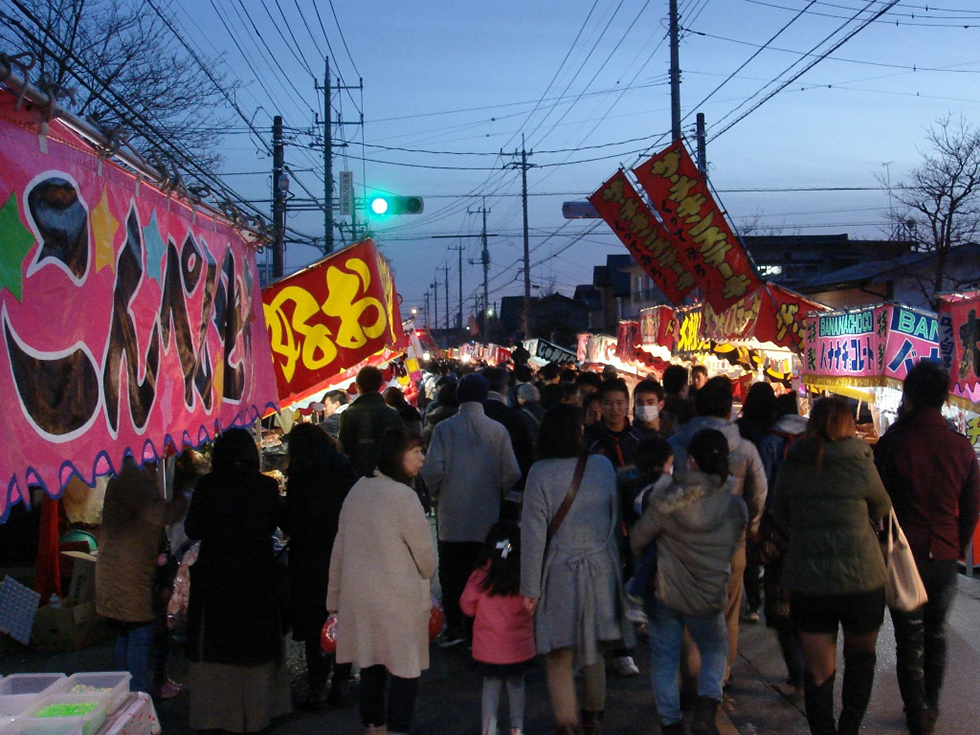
pixel 833 549
pixel 696 522
pixel 314 498
pixel 776 443
pixel 134 516
pixel 361 427
pixel 618 446
pixel 931 474
pixel 577 577
pixel 470 467
pixel 521 438
pixel 743 461
pixel 382 559
pixel 503 629
pixel 234 612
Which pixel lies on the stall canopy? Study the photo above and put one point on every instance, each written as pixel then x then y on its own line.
pixel 855 350
pixel 132 318
pixel 330 317
pixel 959 341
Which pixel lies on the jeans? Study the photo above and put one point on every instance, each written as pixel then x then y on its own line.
pixel 644 567
pixel 397 711
pixel 710 634
pixel 134 643
pixel 920 637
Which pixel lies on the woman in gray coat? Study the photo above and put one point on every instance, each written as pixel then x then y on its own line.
pixel 574 580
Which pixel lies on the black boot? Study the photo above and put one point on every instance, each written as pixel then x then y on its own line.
pixel 819 702
pixel 704 717
pixel 859 678
pixel 592 721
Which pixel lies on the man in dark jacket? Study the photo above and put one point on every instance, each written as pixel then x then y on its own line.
pixel 367 418
pixel 496 408
pixel 932 476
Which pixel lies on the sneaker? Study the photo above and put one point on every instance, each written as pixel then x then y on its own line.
pixel 168 690
pixel 450 639
pixel 751 616
pixel 634 610
pixel 625 666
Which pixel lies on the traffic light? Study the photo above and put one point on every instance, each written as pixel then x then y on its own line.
pixel 383 205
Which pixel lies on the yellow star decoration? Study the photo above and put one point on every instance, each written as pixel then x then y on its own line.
pixel 104 228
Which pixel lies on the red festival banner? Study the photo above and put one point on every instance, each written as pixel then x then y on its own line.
pixel 769 315
pixel 959 344
pixel 644 236
pixel 720 265
pixel 329 317
pixel 131 319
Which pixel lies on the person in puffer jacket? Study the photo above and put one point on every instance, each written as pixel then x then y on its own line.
pixel 696 522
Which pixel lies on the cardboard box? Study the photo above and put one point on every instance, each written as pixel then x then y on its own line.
pixel 68 628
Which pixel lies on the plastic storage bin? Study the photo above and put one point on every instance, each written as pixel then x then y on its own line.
pixel 84 724
pixel 114 685
pixel 19 691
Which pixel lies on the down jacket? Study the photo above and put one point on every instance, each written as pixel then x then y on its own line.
pixel 696 523
pixel 744 461
pixel 828 503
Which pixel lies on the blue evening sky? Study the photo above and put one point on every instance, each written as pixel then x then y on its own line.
pixel 448 85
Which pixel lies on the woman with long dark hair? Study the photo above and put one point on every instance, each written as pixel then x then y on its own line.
pixel 238 675
pixel 828 494
pixel 382 561
pixel 318 480
pixel 570 570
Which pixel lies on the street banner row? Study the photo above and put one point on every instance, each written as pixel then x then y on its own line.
pixel 690 245
pixel 131 318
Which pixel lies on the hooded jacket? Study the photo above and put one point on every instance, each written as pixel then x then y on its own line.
pixel 829 503
pixel 696 522
pixel 743 460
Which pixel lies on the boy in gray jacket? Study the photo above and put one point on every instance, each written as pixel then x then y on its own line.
pixel 696 522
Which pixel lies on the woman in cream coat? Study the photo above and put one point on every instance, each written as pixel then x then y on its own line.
pixel 382 561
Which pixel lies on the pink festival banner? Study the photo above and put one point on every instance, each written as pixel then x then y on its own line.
pixel 130 319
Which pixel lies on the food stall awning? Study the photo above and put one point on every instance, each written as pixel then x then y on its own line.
pixel 132 317
pixel 329 317
pixel 853 351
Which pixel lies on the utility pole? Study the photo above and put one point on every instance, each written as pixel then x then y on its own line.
pixel 278 199
pixel 485 259
pixel 459 317
pixel 675 74
pixel 446 269
pixel 524 166
pixel 328 204
pixel 702 153
pixel 427 309
pixel 435 303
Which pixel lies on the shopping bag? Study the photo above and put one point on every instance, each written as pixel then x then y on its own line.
pixel 904 590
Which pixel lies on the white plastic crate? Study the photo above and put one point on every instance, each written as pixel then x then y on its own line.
pixel 114 685
pixel 86 724
pixel 19 691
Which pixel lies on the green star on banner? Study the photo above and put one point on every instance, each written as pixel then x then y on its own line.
pixel 16 242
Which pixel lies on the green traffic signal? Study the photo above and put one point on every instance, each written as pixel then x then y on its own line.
pixel 389 204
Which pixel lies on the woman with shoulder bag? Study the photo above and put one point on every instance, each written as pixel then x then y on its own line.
pixel 828 494
pixel 570 570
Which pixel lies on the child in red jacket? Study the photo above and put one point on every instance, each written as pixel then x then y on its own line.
pixel 503 629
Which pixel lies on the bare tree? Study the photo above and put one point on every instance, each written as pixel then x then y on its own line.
pixel 939 204
pixel 129 69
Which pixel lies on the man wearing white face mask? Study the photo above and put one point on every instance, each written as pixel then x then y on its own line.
pixel 648 399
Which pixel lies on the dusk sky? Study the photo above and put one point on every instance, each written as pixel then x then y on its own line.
pixel 448 86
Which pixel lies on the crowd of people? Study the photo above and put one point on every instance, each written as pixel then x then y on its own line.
pixel 574 512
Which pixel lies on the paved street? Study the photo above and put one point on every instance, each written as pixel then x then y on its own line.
pixel 449 694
